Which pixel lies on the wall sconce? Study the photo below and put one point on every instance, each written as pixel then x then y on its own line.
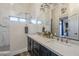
pixel 63 10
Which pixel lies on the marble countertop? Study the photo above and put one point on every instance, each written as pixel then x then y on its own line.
pixel 58 47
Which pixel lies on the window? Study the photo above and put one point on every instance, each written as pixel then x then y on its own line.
pixel 13 19
pixel 17 19
pixel 33 21
pixel 22 20
pixel 39 22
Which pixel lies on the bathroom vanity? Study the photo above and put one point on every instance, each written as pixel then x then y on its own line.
pixel 41 46
pixel 36 49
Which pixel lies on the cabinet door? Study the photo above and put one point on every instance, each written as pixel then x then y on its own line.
pixel 36 47
pixel 73 27
pixel 53 54
pixel 44 51
pixel 29 44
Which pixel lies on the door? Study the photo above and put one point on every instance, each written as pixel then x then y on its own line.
pixel 73 27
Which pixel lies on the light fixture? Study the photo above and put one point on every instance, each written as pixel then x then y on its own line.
pixel 44 6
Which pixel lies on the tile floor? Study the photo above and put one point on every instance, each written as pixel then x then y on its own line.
pixel 23 54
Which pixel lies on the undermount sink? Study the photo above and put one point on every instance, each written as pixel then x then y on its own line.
pixel 65 44
pixel 59 43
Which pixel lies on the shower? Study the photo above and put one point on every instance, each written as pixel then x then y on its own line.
pixel 4 39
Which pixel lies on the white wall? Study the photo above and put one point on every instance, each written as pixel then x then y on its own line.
pixel 34 28
pixel 17 36
pixel 73 8
pixel 41 15
pixel 55 16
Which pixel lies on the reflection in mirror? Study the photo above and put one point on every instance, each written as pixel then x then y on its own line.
pixel 63 26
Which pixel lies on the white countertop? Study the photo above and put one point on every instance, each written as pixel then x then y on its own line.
pixel 58 47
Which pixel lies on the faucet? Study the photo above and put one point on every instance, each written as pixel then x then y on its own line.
pixel 62 39
pixel 67 40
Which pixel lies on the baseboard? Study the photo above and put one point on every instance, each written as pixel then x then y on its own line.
pixel 12 53
pixel 17 52
pixel 4 53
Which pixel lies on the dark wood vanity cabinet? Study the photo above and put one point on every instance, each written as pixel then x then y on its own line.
pixel 44 51
pixel 30 45
pixel 36 49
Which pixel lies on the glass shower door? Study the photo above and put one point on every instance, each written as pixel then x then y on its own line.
pixel 4 39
